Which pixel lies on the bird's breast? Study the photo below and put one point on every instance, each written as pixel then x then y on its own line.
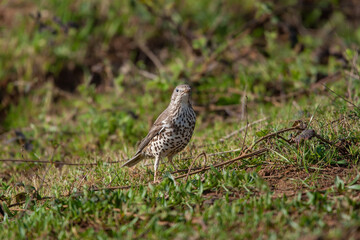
pixel 175 136
pixel 185 117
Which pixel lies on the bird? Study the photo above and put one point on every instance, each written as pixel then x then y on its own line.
pixel 171 131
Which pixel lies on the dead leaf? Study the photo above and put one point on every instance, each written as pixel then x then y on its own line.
pixel 305 135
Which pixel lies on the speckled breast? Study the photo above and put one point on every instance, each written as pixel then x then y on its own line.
pixel 175 138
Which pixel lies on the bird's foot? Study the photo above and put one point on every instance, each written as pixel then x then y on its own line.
pixel 155 179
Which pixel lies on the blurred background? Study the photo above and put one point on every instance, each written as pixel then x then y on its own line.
pixel 95 74
pixel 81 82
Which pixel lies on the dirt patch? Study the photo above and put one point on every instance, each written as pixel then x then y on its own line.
pixel 290 179
pixel 11 10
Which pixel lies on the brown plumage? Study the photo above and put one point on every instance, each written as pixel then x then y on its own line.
pixel 171 131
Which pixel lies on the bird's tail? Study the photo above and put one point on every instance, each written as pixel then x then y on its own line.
pixel 133 161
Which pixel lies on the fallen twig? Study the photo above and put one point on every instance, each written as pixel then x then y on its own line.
pixel 255 153
pixel 352 75
pixel 340 148
pixel 23 202
pixel 242 129
pixel 272 135
pixel 36 192
pixel 113 188
pixel 243 156
pixel 191 165
pixel 56 163
pixel 151 56
pixel 340 96
pixel 46 162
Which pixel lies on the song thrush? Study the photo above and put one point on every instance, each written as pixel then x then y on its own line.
pixel 171 131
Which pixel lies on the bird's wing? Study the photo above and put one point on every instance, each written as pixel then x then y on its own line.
pixel 159 125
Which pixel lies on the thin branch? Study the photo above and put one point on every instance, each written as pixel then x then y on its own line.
pixel 56 163
pixel 243 156
pixel 272 135
pixel 246 130
pixel 36 192
pixel 340 96
pixel 151 56
pixel 114 188
pixel 23 202
pixel 242 129
pixel 147 74
pixel 340 148
pixel 191 165
pixel 352 75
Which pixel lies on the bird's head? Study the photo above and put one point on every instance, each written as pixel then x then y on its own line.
pixel 181 94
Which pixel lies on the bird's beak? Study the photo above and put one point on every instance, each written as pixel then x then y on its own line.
pixel 187 90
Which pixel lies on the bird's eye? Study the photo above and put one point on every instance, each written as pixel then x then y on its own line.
pixel 177 90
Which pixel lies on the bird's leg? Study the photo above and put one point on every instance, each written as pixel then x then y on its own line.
pixel 170 160
pixel 156 165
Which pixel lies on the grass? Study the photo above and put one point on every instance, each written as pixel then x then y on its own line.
pixel 293 190
pixel 290 192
